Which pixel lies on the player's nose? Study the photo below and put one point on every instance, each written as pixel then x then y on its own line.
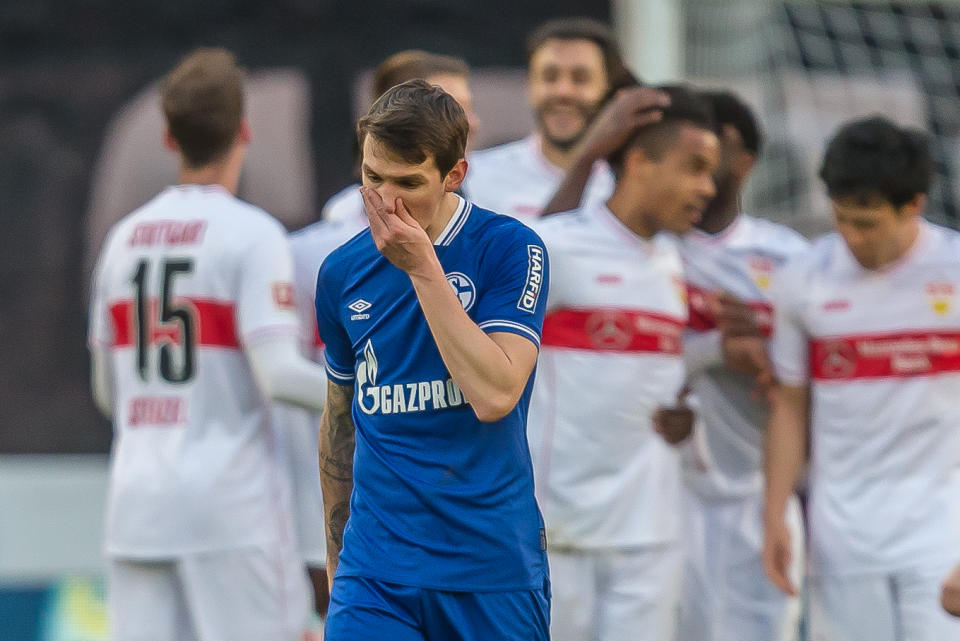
pixel 389 196
pixel 563 87
pixel 707 187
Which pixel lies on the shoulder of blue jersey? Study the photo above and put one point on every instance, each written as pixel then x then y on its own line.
pixel 355 248
pixel 489 227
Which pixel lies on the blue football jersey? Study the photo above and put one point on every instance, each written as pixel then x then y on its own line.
pixel 440 500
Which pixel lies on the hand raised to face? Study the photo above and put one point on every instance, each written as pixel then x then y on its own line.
pixel 628 109
pixel 396 233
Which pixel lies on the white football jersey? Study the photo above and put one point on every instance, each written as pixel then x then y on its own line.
pixel 345 206
pixel 516 179
pixel 880 350
pixel 182 284
pixel 310 246
pixel 725 455
pixel 611 355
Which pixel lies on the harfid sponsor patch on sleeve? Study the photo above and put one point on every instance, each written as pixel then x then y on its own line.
pixel 534 282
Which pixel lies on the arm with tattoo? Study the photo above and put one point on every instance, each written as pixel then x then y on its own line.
pixel 336 467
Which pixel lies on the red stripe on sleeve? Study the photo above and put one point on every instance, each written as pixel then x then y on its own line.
pixel 613 330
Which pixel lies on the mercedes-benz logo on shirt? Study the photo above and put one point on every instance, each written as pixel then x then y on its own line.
pixel 463 288
pixel 609 330
pixel 839 360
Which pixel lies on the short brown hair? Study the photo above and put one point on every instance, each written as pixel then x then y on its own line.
pixel 203 103
pixel 415 120
pixel 584 29
pixel 412 64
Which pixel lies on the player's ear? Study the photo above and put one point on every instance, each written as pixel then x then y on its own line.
pixel 636 161
pixel 743 162
pixel 916 206
pixel 244 133
pixel 455 176
pixel 169 142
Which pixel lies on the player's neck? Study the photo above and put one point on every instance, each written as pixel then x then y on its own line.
pixel 224 172
pixel 906 242
pixel 560 158
pixel 719 215
pixel 446 210
pixel 622 206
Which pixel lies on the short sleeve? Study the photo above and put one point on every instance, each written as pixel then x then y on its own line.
pixel 337 348
pixel 516 285
pixel 789 343
pixel 266 302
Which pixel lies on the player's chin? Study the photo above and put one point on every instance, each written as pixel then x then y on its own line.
pixel 565 136
pixel 685 221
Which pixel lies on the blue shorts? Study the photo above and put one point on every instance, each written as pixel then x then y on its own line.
pixel 363 609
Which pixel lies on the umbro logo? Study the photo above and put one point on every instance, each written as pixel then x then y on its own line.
pixel 359 306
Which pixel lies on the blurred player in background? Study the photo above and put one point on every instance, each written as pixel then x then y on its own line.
pixel 730 253
pixel 608 485
pixel 431 323
pixel 192 330
pixel 573 63
pixel 866 348
pixel 450 73
pixel 726 255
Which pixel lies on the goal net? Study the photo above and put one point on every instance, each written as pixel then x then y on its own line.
pixel 808 66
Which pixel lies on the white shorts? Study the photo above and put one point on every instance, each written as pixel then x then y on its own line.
pixel 243 594
pixel 726 594
pixel 301 431
pixel 901 606
pixel 614 595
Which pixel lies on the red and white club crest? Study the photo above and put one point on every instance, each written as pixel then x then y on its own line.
pixel 940 295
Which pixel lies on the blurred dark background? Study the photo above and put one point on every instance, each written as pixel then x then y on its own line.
pixel 66 67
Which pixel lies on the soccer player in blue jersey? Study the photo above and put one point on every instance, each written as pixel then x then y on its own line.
pixel 431 320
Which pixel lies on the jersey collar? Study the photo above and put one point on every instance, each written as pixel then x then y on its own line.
pixel 212 188
pixel 456 223
pixel 601 213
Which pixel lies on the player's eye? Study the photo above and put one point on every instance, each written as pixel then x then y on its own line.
pixel 373 177
pixel 550 75
pixel 580 76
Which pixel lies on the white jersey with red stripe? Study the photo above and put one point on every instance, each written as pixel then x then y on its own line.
pixel 611 355
pixel 724 456
pixel 182 285
pixel 310 246
pixel 880 350
pixel 516 179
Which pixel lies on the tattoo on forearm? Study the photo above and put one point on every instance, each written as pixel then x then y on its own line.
pixel 336 463
pixel 337 521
